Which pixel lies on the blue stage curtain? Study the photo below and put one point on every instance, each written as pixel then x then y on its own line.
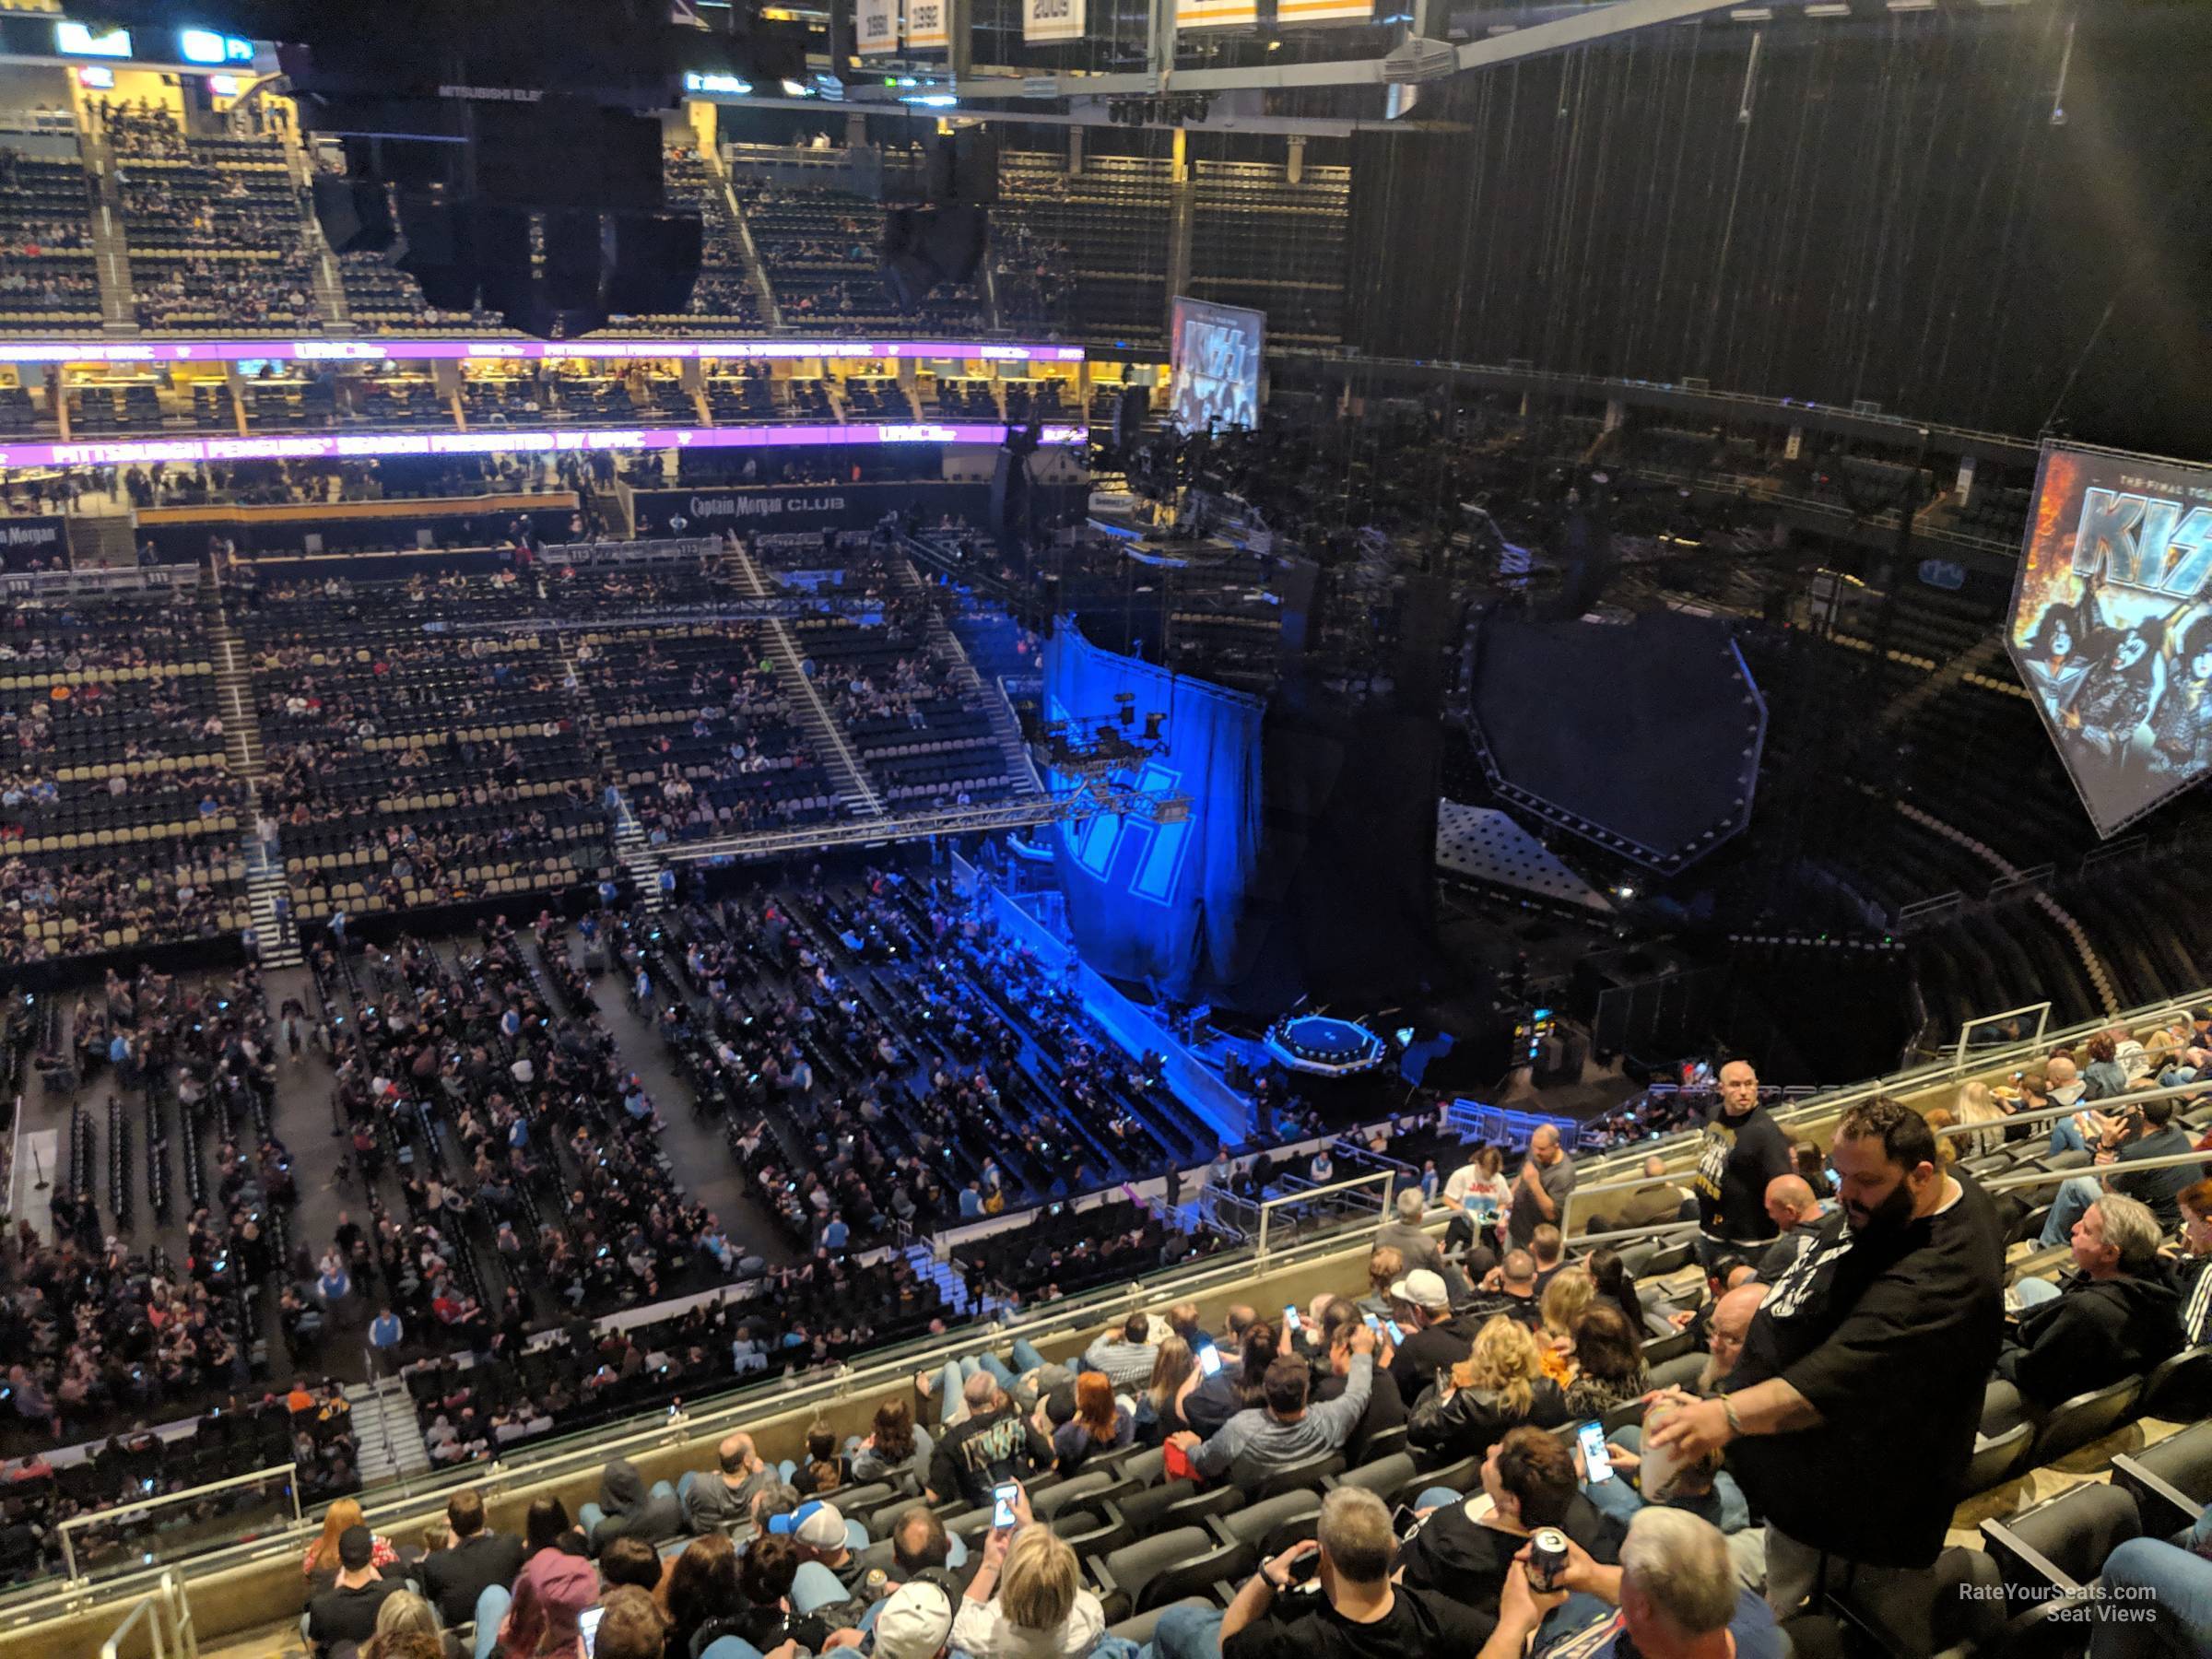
pixel 1149 900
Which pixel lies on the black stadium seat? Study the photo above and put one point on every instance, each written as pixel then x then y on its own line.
pixel 1126 1575
pixel 2085 1417
pixel 2050 1554
pixel 2171 1481
pixel 1997 1456
pixel 1258 1523
pixel 2179 1388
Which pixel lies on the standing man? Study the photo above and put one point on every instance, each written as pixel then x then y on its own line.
pixel 1540 1191
pixel 1743 1149
pixel 1907 1282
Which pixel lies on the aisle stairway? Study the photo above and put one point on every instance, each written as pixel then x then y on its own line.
pixel 268 897
pixel 853 791
pixel 1005 728
pixel 941 1273
pixel 386 1431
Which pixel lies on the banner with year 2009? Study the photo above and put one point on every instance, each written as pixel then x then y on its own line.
pixel 875 26
pixel 1043 21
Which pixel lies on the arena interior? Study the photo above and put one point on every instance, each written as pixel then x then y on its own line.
pixel 1191 830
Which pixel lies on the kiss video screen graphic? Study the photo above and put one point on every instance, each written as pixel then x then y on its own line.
pixel 2112 625
pixel 1214 358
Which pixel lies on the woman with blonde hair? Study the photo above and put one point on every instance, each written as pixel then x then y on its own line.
pixel 407 1614
pixel 321 1562
pixel 1976 1105
pixel 1571 1289
pixel 1500 1385
pixel 1947 1146
pixel 1026 1600
pixel 1159 1405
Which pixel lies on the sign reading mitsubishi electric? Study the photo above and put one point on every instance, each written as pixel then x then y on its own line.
pixel 2112 625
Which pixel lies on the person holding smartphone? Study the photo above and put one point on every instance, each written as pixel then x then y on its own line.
pixel 1026 1598
pixel 1329 1598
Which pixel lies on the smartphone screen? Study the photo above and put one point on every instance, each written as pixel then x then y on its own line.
pixel 1596 1464
pixel 1291 1318
pixel 1209 1359
pixel 1397 1337
pixel 1002 1504
pixel 1373 1323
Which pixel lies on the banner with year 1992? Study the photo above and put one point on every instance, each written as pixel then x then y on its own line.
pixel 2112 625
pixel 875 26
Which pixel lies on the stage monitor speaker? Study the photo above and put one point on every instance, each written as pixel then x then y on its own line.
pixel 355 214
pixel 655 263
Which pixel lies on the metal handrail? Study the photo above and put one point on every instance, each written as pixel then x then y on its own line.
pixel 2027 1178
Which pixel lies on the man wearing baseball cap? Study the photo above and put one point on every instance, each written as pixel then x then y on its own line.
pixel 1433 1338
pixel 348 1610
pixel 915 1622
pixel 828 1569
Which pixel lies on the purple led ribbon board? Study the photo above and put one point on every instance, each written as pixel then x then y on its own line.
pixel 492 351
pixel 347 446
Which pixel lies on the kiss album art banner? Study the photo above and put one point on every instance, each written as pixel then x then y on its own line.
pixel 1213 355
pixel 2112 625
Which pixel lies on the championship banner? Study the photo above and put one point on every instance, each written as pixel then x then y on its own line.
pixel 1214 357
pixel 925 26
pixel 1047 20
pixel 1287 12
pixel 1216 14
pixel 2112 629
pixel 875 27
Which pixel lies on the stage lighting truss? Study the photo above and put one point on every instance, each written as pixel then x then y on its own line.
pixel 1091 750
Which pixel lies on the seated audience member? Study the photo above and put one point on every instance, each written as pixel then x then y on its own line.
pixel 2192 1272
pixel 2116 1314
pixel 1433 1338
pixel 1288 1430
pixel 1096 1422
pixel 1978 1110
pixel 1510 1288
pixel 1385 1267
pixel 545 1525
pixel 630 1627
pixel 1565 1298
pixel 1657 1200
pixel 407 1615
pixel 1547 1246
pixel 631 1560
pixel 896 1445
pixel 1673 1596
pixel 321 1561
pixel 348 1610
pixel 993 1443
pixel 725 1496
pixel 2147 1131
pixel 825 1469
pixel 1500 1385
pixel 1609 1276
pixel 828 1569
pixel 1237 1386
pixel 919 1544
pixel 765 1574
pixel 1796 1213
pixel 1699 1485
pixel 1027 1599
pixel 1608 1368
pixel 1349 1609
pixel 626 1509
pixel 1124 1353
pixel 916 1623
pixel 1731 1322
pixel 1336 1320
pixel 1405 1234
pixel 472 1558
pixel 1464 1547
pixel 2172 1583
pixel 702 1595
pixel 1159 1404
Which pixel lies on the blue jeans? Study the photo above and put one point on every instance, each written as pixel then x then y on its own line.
pixel 1436 1497
pixel 952 1408
pixel 727 1647
pixel 2073 1202
pixel 2174 1586
pixel 2066 1137
pixel 491 1607
pixel 1186 1633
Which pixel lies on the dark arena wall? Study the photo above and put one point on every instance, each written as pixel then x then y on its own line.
pixel 1908 211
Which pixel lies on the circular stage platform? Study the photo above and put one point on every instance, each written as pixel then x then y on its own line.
pixel 1326 1047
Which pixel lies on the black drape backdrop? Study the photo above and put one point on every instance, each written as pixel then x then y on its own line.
pixel 1871 209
